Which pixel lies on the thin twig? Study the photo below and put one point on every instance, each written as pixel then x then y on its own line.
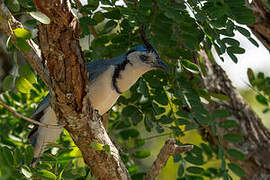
pixel 30 120
pixel 157 136
pixel 170 148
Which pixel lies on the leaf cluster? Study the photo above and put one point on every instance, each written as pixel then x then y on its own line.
pixel 159 104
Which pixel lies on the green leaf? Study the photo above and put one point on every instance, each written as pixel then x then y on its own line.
pixel 92 5
pixel 190 42
pixel 235 50
pixel 202 119
pixel 23 85
pixel 133 113
pixel 236 154
pixel 143 88
pixel 47 174
pixel 107 149
pixel 207 149
pixel 222 46
pixel 265 110
pixel 29 154
pixel 98 17
pixel 18 156
pixel 261 99
pixel 133 133
pixel 221 97
pixel 138 176
pixel 27 73
pixel 233 57
pixel 253 41
pixel 132 169
pixel 158 110
pixel 60 175
pixel 195 170
pixel 236 169
pixel 251 76
pixel 243 31
pixel 109 26
pixel 139 143
pixel 161 98
pixel 87 21
pixel 148 124
pixel 40 17
pixel 181 170
pixel 228 124
pixel 190 66
pixel 7 155
pixel 231 41
pixel 159 129
pixel 114 14
pixel 197 160
pixel 45 165
pixel 142 154
pixel 7 83
pixel 96 145
pixel 165 119
pixel 22 33
pixel 221 113
pixel 236 138
pixel 13 5
pixel 182 121
pixel 23 45
pixel 244 15
pixel 146 3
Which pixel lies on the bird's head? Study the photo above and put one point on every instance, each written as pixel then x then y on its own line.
pixel 147 57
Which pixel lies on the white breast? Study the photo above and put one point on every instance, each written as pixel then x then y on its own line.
pixel 102 94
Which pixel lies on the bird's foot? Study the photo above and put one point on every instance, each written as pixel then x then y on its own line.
pixel 97 115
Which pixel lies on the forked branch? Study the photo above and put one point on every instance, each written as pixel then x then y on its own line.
pixel 170 148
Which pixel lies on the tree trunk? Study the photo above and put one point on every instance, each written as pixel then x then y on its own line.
pixel 60 49
pixel 256 143
pixel 261 28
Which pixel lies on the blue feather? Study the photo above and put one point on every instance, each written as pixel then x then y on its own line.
pixel 95 68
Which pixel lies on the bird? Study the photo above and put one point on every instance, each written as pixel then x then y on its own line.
pixel 108 79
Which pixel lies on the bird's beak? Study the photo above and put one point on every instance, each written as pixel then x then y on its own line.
pixel 161 65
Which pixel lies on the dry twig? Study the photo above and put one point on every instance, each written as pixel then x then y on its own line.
pixel 170 148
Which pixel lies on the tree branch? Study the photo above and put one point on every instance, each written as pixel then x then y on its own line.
pixel 30 120
pixel 69 89
pixel 261 28
pixel 256 137
pixel 169 149
pixel 9 23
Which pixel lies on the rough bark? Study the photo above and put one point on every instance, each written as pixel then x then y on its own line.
pixel 170 148
pixel 261 28
pixel 62 54
pixel 256 144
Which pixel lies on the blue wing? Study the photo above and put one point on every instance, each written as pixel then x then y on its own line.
pixel 95 68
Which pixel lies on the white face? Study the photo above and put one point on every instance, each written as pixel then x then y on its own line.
pixel 147 59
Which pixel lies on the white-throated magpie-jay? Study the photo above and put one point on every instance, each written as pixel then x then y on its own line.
pixel 107 80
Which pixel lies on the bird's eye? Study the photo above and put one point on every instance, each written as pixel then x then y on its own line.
pixel 143 57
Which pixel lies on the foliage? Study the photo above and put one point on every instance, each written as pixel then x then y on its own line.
pixel 261 85
pixel 161 103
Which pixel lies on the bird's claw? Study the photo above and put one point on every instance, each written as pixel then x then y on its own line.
pixel 98 116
